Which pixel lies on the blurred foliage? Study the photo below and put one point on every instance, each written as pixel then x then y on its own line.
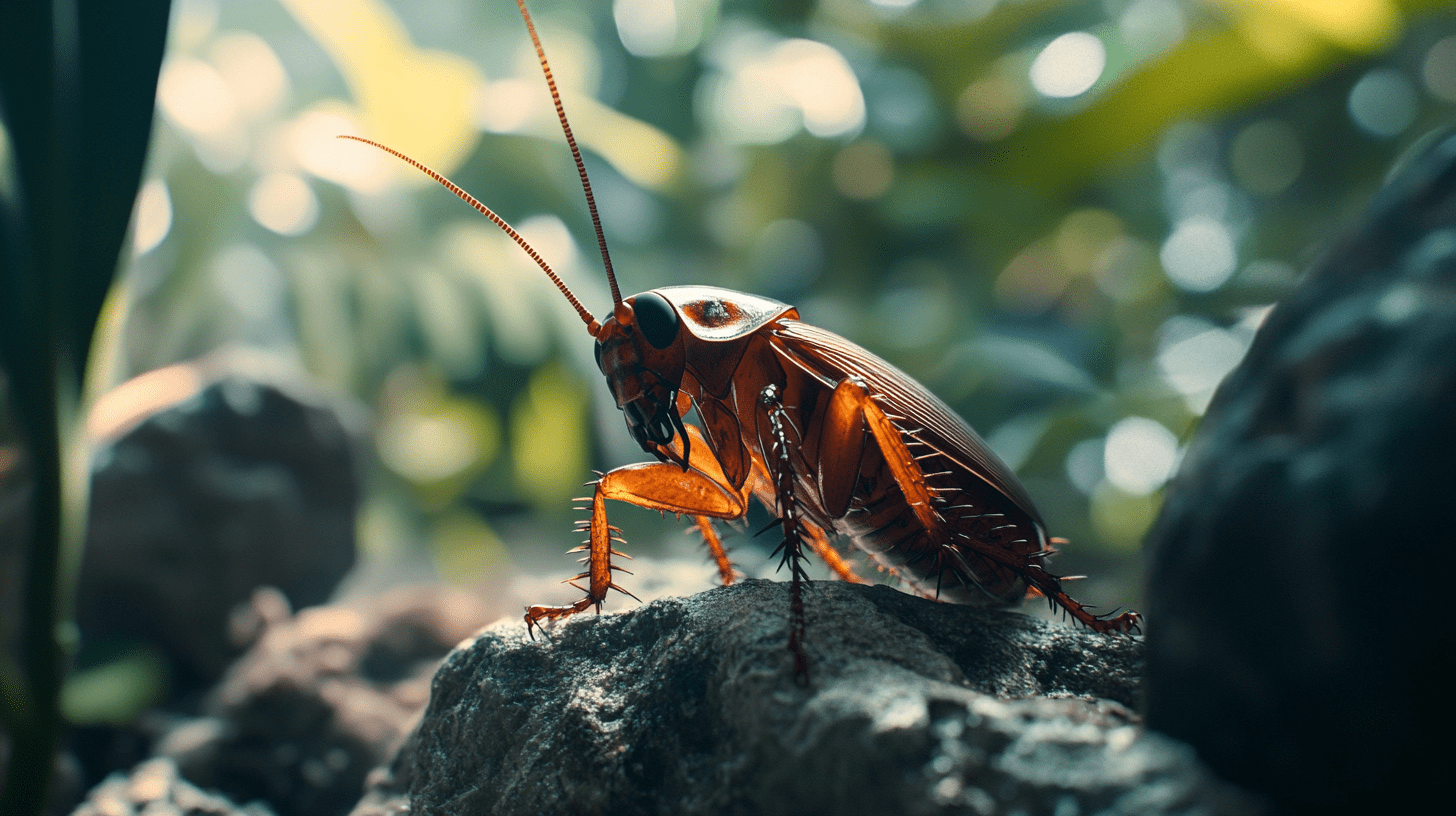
pixel 77 82
pixel 1066 217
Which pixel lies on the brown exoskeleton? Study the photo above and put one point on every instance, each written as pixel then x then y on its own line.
pixel 829 437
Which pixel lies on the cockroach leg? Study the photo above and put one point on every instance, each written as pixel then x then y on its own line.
pixel 665 487
pixel 819 543
pixel 1051 586
pixel 726 573
pixel 599 551
pixel 787 506
pixel 852 401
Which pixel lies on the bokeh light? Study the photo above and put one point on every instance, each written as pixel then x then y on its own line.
pixel 252 71
pixel 1069 65
pixel 1084 466
pixel 1383 102
pixel 990 109
pixel 193 96
pixel 1438 69
pixel 1266 156
pixel 434 446
pixel 1139 455
pixel 284 203
pixel 661 28
pixel 1194 356
pixel 1152 26
pixel 153 217
pixel 648 28
pixel 1199 256
pixel 767 88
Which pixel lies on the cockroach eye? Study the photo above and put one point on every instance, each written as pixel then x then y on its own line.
pixel 597 350
pixel 656 318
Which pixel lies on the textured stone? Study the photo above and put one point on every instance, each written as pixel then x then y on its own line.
pixel 242 486
pixel 689 706
pixel 322 698
pixel 1291 638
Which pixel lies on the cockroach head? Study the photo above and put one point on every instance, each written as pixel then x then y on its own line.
pixel 640 351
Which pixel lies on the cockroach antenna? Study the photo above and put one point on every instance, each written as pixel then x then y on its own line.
pixel 592 326
pixel 591 202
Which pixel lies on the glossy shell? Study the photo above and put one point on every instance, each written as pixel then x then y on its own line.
pixel 715 314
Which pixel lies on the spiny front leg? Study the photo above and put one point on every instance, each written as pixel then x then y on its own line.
pixel 656 486
pixel 599 551
pixel 781 473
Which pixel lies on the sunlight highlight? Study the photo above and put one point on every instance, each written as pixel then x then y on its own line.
pixel 283 203
pixel 767 89
pixel 413 99
pixel 1139 455
pixel 1069 65
pixel 153 218
pixel 1199 256
pixel 252 72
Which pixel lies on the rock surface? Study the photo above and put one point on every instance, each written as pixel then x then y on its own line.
pixel 1294 637
pixel 321 698
pixel 689 706
pixel 244 485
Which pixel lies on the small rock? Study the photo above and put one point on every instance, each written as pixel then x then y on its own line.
pixel 155 789
pixel 322 698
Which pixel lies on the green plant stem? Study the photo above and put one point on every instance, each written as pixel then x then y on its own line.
pixel 36 731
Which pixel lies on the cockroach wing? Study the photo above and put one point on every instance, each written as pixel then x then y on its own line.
pixel 831 358
pixel 716 315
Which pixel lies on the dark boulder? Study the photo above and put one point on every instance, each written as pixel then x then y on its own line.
pixel 1296 632
pixel 243 485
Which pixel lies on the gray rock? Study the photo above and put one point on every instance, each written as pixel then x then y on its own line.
pixel 322 698
pixel 689 706
pixel 1294 636
pixel 242 486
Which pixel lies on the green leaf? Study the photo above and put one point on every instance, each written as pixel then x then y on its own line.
pixel 77 84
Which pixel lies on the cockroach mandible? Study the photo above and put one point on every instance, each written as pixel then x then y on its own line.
pixel 830 438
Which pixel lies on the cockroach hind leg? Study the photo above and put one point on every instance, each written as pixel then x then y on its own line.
pixel 1124 623
pixel 1051 586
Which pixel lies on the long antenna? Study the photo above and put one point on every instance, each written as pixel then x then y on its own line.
pixel 575 153
pixel 592 326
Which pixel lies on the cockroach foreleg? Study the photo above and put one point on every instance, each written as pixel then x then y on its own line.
pixel 781 471
pixel 656 486
pixel 599 551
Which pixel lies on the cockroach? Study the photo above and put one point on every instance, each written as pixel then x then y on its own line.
pixel 827 436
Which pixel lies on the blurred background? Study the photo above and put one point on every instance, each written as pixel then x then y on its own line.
pixel 1067 218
